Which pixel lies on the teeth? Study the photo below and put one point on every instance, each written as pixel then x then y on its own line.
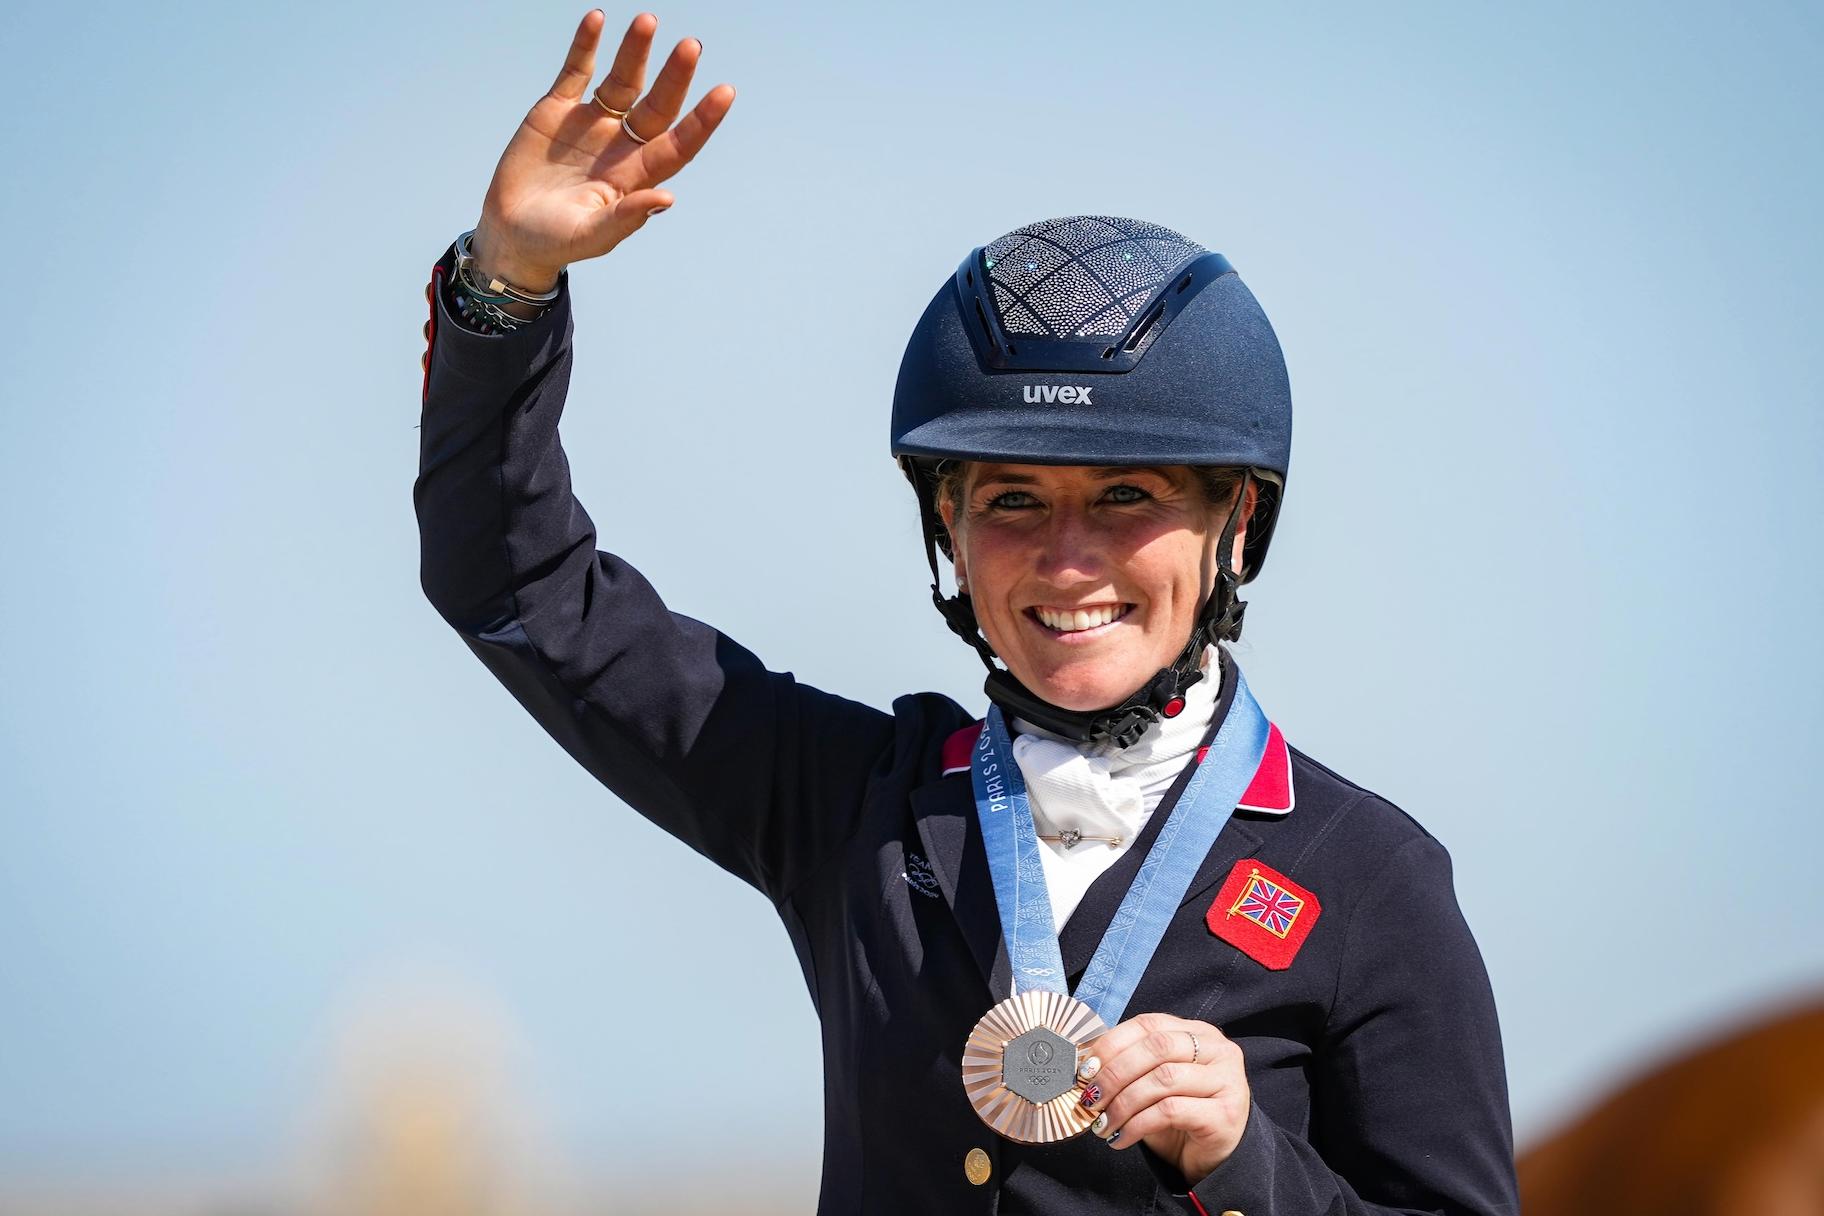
pixel 1076 620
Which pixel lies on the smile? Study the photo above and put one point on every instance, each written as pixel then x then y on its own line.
pixel 1078 620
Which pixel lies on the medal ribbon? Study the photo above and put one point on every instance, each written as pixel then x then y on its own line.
pixel 1198 817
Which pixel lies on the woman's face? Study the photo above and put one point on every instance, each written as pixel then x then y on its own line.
pixel 1086 581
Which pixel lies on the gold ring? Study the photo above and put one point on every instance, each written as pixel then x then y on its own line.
pixel 632 134
pixel 1193 1035
pixel 596 98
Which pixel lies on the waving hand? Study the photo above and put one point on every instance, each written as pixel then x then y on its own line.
pixel 576 180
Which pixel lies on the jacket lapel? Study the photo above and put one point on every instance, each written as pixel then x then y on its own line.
pixel 945 815
pixel 1238 840
pixel 1083 931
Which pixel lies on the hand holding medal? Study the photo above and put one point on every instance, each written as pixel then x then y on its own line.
pixel 1176 1085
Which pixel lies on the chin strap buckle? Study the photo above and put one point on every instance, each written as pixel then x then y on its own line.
pixel 1126 729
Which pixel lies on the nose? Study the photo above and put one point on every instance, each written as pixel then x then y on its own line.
pixel 1071 548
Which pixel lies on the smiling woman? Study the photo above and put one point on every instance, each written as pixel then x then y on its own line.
pixel 1117 901
pixel 1087 581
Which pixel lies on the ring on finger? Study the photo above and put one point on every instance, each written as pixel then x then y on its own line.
pixel 607 109
pixel 632 134
pixel 1193 1035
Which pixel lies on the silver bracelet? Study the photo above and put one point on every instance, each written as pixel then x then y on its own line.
pixel 497 289
pixel 484 316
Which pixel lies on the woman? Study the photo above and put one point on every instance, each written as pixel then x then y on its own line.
pixel 1119 904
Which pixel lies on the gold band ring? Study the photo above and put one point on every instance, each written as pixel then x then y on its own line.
pixel 612 113
pixel 1193 1035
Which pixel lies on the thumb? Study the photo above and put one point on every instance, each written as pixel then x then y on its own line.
pixel 610 226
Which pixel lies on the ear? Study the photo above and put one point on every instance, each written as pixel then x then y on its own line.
pixel 1241 527
pixel 946 511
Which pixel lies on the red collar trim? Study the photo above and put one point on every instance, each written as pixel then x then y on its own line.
pixel 1270 793
pixel 959 747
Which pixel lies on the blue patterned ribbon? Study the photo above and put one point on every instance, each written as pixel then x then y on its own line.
pixel 1001 804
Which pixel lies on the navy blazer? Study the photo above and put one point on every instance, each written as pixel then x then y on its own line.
pixel 1374 1058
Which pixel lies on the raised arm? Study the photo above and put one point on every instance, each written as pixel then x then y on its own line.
pixel 756 771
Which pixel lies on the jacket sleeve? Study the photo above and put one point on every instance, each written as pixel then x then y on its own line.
pixel 1409 1106
pixel 759 773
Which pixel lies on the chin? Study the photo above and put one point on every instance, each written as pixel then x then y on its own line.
pixel 1086 690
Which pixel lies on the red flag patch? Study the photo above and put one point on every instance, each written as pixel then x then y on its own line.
pixel 1263 914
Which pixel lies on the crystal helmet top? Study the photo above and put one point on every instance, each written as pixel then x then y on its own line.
pixel 1096 340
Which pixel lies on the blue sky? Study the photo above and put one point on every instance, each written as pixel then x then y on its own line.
pixel 1546 281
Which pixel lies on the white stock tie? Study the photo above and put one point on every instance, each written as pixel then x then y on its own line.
pixel 1082 790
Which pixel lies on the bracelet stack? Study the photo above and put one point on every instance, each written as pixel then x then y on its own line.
pixel 479 304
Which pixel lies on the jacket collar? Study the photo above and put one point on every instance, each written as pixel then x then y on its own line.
pixel 1270 793
pixel 944 811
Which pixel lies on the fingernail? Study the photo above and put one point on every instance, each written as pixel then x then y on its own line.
pixel 1090 1068
pixel 1111 1140
pixel 1092 1095
pixel 656 210
pixel 1100 1125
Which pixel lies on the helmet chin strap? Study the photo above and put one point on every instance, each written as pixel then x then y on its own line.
pixel 1219 620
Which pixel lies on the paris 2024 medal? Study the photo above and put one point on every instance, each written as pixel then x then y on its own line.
pixel 1020 1066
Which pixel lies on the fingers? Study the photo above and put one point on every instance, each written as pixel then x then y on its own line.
pixel 1113 1042
pixel 1195 1118
pixel 659 108
pixel 1137 1047
pixel 579 64
pixel 621 88
pixel 1165 1081
pixel 671 151
pixel 1155 1057
pixel 612 225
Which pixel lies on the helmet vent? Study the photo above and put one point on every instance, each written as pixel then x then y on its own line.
pixel 981 317
pixel 1146 324
pixel 1184 282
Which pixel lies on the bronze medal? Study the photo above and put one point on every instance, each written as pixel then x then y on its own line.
pixel 1020 1066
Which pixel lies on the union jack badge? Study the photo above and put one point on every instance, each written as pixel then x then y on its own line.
pixel 1263 914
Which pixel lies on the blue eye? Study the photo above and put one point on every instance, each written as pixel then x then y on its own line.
pixel 1004 499
pixel 1126 493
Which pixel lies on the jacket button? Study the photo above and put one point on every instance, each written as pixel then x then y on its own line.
pixel 976 1166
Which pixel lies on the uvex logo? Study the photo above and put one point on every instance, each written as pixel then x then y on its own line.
pixel 1062 393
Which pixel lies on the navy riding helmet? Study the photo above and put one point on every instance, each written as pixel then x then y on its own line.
pixel 1097 340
